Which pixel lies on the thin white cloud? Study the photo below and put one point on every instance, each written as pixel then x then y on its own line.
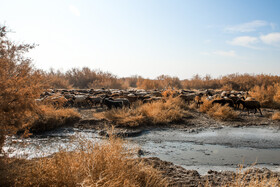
pixel 271 38
pixel 74 10
pixel 247 27
pixel 245 41
pixel 230 53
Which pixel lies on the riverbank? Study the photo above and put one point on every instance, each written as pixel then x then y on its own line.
pixel 183 150
pixel 13 169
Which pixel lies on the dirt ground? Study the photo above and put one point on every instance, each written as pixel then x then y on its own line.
pixel 178 176
pixel 197 122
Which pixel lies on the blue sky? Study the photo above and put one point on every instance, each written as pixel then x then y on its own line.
pixel 150 37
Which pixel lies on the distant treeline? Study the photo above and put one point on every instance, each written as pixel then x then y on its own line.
pixel 87 78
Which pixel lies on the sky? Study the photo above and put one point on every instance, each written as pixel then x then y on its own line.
pixel 149 37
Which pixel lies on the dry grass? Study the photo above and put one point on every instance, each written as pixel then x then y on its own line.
pixel 109 163
pixel 252 178
pixel 160 112
pixel 206 106
pixel 276 116
pixel 217 111
pixel 222 112
pixel 50 118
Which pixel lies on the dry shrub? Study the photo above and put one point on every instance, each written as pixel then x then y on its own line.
pixel 20 84
pixel 277 94
pixel 276 116
pixel 160 112
pixel 193 106
pixel 227 87
pixel 55 100
pixel 206 106
pixel 222 112
pixel 50 118
pixel 123 117
pixel 103 164
pixel 147 84
pixel 169 93
pixel 268 96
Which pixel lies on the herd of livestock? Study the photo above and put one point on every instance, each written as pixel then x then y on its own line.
pixel 114 98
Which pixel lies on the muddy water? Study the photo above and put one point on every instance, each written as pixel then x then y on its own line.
pixel 216 149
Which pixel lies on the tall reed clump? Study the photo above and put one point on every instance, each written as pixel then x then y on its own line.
pixel 155 113
pixel 108 163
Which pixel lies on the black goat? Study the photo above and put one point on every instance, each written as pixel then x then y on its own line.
pixel 235 99
pixel 224 102
pixel 250 105
pixel 111 103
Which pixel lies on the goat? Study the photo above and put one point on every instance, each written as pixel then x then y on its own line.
pixel 111 103
pixel 250 105
pixel 187 98
pixel 198 100
pixel 223 102
pixel 125 101
pixel 235 99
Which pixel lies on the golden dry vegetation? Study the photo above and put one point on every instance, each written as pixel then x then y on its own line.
pixel 159 112
pixel 217 111
pixel 21 84
pixel 268 96
pixel 222 112
pixel 106 164
pixel 109 163
pixel 51 118
pixel 276 116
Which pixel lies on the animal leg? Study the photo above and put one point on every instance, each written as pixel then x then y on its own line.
pixel 260 111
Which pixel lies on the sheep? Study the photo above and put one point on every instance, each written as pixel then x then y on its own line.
pixel 152 99
pixel 80 100
pixel 250 99
pixel 187 98
pixel 131 97
pixel 250 105
pixel 94 100
pixel 125 101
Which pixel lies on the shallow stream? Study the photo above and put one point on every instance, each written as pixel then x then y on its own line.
pixel 216 149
